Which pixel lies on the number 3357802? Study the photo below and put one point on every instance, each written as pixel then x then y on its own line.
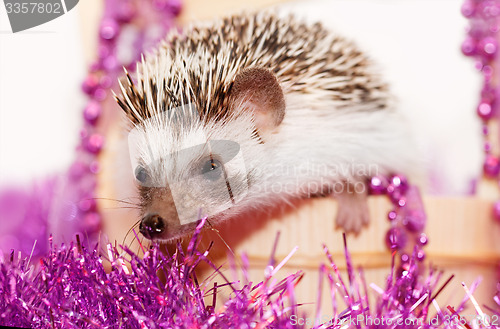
pixel 33 7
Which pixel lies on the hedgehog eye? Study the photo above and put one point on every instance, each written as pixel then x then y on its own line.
pixel 212 169
pixel 141 174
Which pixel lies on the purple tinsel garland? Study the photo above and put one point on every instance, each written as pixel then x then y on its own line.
pixel 70 288
pixel 481 44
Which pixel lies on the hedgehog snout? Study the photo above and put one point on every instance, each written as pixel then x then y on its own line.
pixel 152 226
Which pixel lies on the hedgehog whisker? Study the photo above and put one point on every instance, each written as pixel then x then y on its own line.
pixel 122 207
pixel 223 241
pixel 116 200
pixel 129 231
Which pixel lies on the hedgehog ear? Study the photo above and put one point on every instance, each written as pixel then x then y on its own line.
pixel 258 90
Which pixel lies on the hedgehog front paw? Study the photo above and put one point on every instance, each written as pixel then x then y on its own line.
pixel 352 211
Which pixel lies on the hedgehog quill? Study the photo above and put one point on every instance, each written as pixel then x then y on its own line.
pixel 254 110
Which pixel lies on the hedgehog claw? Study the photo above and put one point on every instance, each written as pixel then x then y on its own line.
pixel 352 213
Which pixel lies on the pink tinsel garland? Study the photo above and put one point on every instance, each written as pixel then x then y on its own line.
pixel 70 288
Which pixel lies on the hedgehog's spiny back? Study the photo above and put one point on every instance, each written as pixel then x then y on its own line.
pixel 199 66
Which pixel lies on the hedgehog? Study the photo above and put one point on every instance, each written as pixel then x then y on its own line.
pixel 255 110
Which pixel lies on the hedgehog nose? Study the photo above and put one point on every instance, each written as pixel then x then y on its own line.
pixel 152 225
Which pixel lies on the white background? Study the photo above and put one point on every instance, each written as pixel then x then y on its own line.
pixel 415 42
pixel 40 101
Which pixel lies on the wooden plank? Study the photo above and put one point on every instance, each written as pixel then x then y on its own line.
pixel 195 10
pixel 90 12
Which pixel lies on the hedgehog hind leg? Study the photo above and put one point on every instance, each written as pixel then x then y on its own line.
pixel 352 210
